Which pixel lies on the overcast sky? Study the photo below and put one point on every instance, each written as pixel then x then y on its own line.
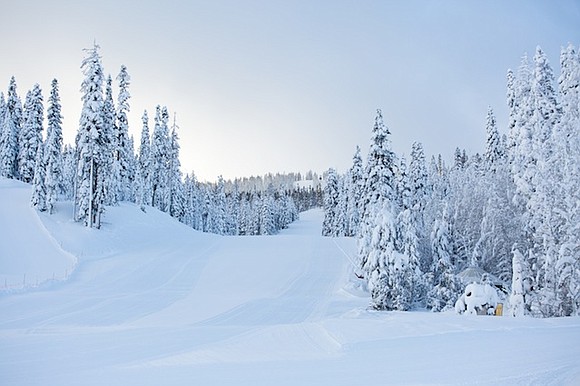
pixel 289 86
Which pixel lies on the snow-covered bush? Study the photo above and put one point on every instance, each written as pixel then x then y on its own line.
pixel 477 297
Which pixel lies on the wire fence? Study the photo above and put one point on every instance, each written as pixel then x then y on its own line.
pixel 15 283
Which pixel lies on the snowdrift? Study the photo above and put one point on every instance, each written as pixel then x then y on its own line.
pixel 29 255
pixel 153 302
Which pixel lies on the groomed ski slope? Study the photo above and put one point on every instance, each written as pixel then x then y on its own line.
pixel 152 302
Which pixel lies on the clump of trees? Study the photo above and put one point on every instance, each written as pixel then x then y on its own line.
pixel 513 211
pixel 102 167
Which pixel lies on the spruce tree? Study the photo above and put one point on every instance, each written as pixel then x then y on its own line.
pixel 123 154
pixel 109 157
pixel 378 191
pixel 176 197
pixel 493 149
pixel 144 165
pixel 39 190
pixel 9 133
pixel 160 148
pixel 383 266
pixel 30 137
pixel 91 144
pixel 354 193
pixel 331 198
pixel 53 148
pixel 517 293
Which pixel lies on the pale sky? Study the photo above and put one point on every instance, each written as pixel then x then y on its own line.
pixel 289 86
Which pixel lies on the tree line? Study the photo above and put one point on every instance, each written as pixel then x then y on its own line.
pixel 102 168
pixel 513 211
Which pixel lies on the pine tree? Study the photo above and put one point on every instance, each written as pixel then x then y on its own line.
pixel 38 199
pixel 9 132
pixel 340 225
pixel 109 158
pixel 160 147
pixel 565 163
pixel 91 144
pixel 420 190
pixel 267 213
pixel 446 287
pixel 176 197
pixel 331 198
pixel 144 165
pixel 383 266
pixel 542 206
pixel 354 193
pixel 493 149
pixel 53 148
pixel 378 191
pixel 68 172
pixel 517 294
pixel 30 137
pixel 123 153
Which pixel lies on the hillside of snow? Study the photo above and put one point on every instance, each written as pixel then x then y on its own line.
pixel 148 301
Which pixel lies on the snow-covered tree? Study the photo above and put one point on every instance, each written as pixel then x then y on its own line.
pixel 30 136
pixel 69 170
pixel 9 132
pixel 267 213
pixel 331 198
pixel 176 198
pixel 108 158
pixel 144 165
pixel 355 187
pixel 91 144
pixel 38 199
pixel 517 294
pixel 446 287
pixel 53 148
pixel 378 193
pixel 123 154
pixel 160 148
pixel 494 152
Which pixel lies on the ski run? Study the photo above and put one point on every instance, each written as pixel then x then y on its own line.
pixel 146 300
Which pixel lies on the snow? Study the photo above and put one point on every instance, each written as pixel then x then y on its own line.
pixel 477 296
pixel 153 302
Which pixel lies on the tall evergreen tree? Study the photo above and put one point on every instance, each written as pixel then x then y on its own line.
pixel 91 144
pixel 176 197
pixel 53 148
pixel 378 192
pixel 331 198
pixel 113 178
pixel 9 132
pixel 123 154
pixel 383 266
pixel 30 137
pixel 160 148
pixel 517 293
pixel 144 165
pixel 354 193
pixel 39 191
pixel 493 149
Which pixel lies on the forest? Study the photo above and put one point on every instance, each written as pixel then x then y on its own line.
pixel 102 168
pixel 512 212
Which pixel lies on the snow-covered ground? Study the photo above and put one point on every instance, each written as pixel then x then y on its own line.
pixel 152 302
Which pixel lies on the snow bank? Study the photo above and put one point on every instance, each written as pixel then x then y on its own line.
pixel 154 302
pixel 29 255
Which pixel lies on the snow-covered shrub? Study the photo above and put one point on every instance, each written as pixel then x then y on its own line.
pixel 477 297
